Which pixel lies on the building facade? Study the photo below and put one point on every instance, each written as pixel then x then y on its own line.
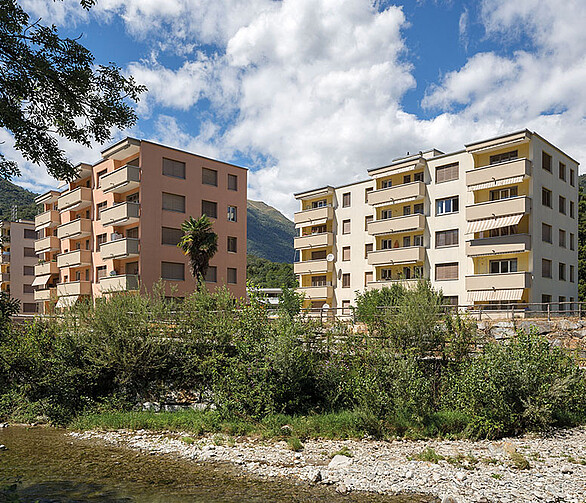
pixel 492 224
pixel 17 262
pixel 116 226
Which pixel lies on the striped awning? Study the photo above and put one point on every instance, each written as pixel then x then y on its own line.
pixel 493 223
pixel 41 280
pixel 487 295
pixel 318 221
pixel 496 183
pixel 68 301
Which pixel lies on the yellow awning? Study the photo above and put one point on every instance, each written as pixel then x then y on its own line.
pixel 493 223
pixel 41 280
pixel 496 183
pixel 487 295
pixel 68 301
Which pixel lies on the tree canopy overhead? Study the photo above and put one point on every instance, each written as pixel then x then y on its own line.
pixel 50 86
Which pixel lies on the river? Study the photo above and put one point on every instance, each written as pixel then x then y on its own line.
pixel 55 468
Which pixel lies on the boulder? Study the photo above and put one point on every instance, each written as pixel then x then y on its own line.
pixel 339 461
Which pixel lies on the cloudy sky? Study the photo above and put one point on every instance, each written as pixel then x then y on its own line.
pixel 313 92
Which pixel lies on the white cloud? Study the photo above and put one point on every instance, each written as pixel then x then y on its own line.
pixel 463 28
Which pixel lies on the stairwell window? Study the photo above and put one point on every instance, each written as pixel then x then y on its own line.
pixel 232 244
pixel 546 197
pixel 572 177
pixel 562 205
pixel 367 249
pixel 571 274
pixel 562 271
pixel 546 161
pixel 232 214
pixel 571 241
pixel 545 268
pixel 100 240
pixel 447 205
pixel 562 238
pixel 572 210
pixel 232 276
pixel 562 171
pixel 346 253
pixel 546 234
pixel 367 220
pixel 346 280
pixel 345 226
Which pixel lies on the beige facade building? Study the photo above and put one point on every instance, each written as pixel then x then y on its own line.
pixel 492 224
pixel 17 262
pixel 116 226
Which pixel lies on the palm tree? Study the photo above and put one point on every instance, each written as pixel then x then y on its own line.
pixel 200 243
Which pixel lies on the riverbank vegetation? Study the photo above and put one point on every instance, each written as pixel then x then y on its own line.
pixel 413 370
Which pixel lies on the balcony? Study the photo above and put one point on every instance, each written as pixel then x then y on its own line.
pixel 4 277
pixel 397 224
pixel 75 258
pixel 75 229
pixel 317 292
pixel 75 199
pixel 407 255
pixel 493 209
pixel 392 195
pixel 313 267
pixel 514 243
pixel 45 295
pixel 74 288
pixel 47 219
pixel 120 214
pixel 48 244
pixel 314 240
pixel 46 268
pixel 494 172
pixel 5 257
pixel 119 283
pixel 512 280
pixel 121 180
pixel 120 248
pixel 410 284
pixel 314 216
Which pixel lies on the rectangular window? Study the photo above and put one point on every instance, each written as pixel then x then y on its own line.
pixel 545 268
pixel 496 195
pixel 368 277
pixel 418 209
pixel 386 214
pixel 572 210
pixel 446 271
pixel 131 268
pixel 447 205
pixel 27 289
pixel 319 204
pixel 562 305
pixel 571 241
pixel 28 270
pixel 232 182
pixel 29 307
pixel 387 244
pixel 173 168
pixel 209 177
pixel 346 200
pixel 367 220
pixel 346 280
pixel 232 214
pixel 418 177
pixel 174 271
pixel 406 210
pixel 211 275
pixel 562 238
pixel 318 281
pixel 171 235
pixel 100 175
pixel 447 172
pixel 132 233
pixel 571 274
pixel 406 179
pixel 30 234
pixel 101 271
pixel 173 202
pixel 572 177
pixel 232 244
pixel 546 197
pixel 367 249
pixel 503 266
pixel 318 255
pixel 209 208
pixel 345 226
pixel 29 252
pixel 562 271
pixel 346 253
pixel 346 307
pixel 446 238
pixel 546 234
pixel 232 276
pixel 366 192
pixel 418 240
pixel 504 157
pixel 545 301
pixel 101 207
pixel 562 204
pixel 100 240
pixel 546 161
pixel 562 170
pixel 386 184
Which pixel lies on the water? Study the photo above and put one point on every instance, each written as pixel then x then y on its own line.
pixel 55 468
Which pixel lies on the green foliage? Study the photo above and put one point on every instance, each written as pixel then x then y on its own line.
pixel 290 302
pixel 428 454
pixel 294 444
pixel 266 274
pixel 200 243
pixel 9 306
pixel 269 234
pixel 371 305
pixel 52 85
pixel 11 195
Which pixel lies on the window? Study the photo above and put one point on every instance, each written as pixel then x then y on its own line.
pixel 546 197
pixel 209 208
pixel 406 210
pixel 28 270
pixel 386 214
pixel 545 301
pixel 366 192
pixel 571 241
pixel 418 177
pixel 572 177
pixel 132 233
pixel 562 303
pixel 131 268
pixel 447 205
pixel 406 241
pixel 562 170
pixel 406 179
pixel 386 274
pixel 546 235
pixel 346 307
pixel 368 277
pixel 232 276
pixel 232 244
pixel 232 214
pixel 546 161
pixel 418 208
pixel 504 157
pixel 446 238
pixel 545 268
pixel 562 238
pixel 173 271
pixel 173 202
pixel 100 175
pixel 211 275
pixel 450 300
pixel 446 271
pixel 209 177
pixel 173 168
pixel 171 236
pixel 367 249
pixel 496 195
pixel 572 210
pixel 387 244
pixel 319 204
pixel 346 200
pixel 418 240
pixel 27 289
pixel 101 207
pixel 346 280
pixel 318 281
pixel 319 229
pixel 29 252
pixel 503 266
pixel 132 198
pixel 346 253
pixel 30 234
pixel 101 272
pixel 29 307
pixel 367 220
pixel 571 274
pixel 562 204
pixel 446 173
pixel 345 226
pixel 562 271
pixel 385 184
pixel 232 182
pixel 318 255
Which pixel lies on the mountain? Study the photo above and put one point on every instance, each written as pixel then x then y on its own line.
pixel 11 195
pixel 270 233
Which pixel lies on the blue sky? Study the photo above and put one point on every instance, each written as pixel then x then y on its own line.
pixel 310 92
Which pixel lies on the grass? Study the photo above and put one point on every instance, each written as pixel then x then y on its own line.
pixel 294 444
pixel 519 461
pixel 428 454
pixel 344 451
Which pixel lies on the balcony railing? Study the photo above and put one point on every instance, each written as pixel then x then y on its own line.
pixel 74 288
pixel 78 198
pixel 317 292
pixel 119 283
pixel 47 219
pixel 75 229
pixel 75 258
pixel 397 224
pixel 406 255
pixel 50 243
pixel 46 268
pixel 314 240
pixel 45 295
pixel 121 180
pixel 121 214
pixel 120 248
pixel 390 195
pixel 387 283
pixel 510 169
pixel 4 277
pixel 510 280
pixel 307 217
pixel 513 243
pixel 313 266
pixel 499 208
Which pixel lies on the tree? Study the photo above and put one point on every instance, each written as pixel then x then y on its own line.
pixel 49 86
pixel 200 243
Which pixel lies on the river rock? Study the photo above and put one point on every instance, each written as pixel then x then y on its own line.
pixel 339 461
pixel 314 476
pixel 449 499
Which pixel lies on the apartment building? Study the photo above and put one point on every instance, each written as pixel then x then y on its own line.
pixel 17 262
pixel 116 226
pixel 492 224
